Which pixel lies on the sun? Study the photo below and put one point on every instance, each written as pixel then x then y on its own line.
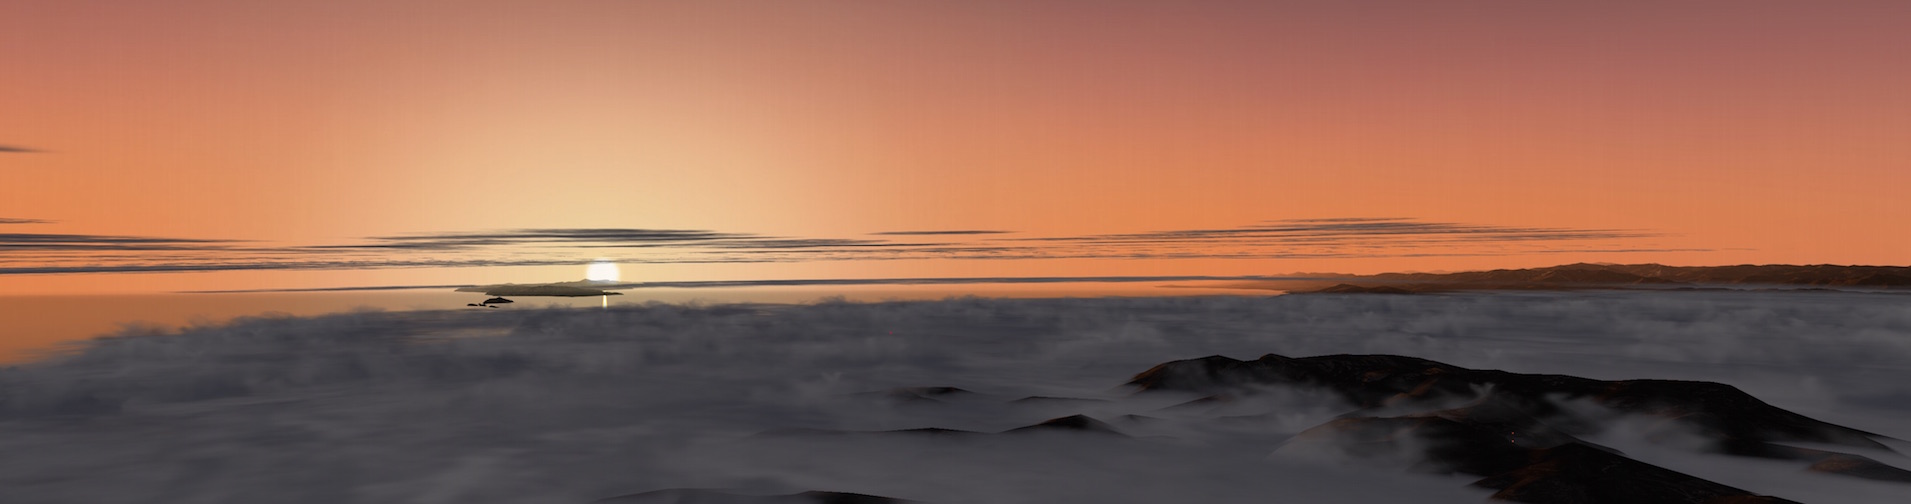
pixel 601 270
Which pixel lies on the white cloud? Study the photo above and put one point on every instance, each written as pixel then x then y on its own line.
pixel 574 405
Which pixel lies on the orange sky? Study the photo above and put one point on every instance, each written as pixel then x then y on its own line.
pixel 1721 132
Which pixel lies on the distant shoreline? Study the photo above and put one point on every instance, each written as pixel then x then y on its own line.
pixel 1586 276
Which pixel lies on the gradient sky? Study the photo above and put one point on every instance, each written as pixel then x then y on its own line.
pixel 1470 134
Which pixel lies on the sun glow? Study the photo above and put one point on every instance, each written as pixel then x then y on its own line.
pixel 601 271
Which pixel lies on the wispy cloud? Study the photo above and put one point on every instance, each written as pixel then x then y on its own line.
pixel 613 238
pixel 1284 239
pixel 9 220
pixel 179 267
pixel 15 149
pixel 1343 219
pixel 949 232
pixel 595 237
pixel 1355 230
pixel 71 242
pixel 830 281
pixel 571 235
pixel 808 243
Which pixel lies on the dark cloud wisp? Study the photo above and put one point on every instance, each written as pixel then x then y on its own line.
pixel 566 235
pixel 948 232
pixel 1348 238
pixel 1356 230
pixel 709 284
pixel 71 242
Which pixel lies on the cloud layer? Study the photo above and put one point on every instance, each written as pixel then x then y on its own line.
pixel 708 284
pixel 1294 239
pixel 555 405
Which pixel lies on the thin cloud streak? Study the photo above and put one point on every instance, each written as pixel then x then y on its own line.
pixel 950 232
pixel 808 243
pixel 561 235
pixel 42 241
pixel 1360 228
pixel 948 281
pixel 706 284
pixel 17 150
pixel 614 238
pixel 333 289
pixel 10 220
pixel 1351 238
pixel 369 265
pixel 315 265
pixel 1345 219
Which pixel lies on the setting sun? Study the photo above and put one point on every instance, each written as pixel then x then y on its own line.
pixel 601 271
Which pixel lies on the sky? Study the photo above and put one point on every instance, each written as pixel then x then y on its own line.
pixel 214 145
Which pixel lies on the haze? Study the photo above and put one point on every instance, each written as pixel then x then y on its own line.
pixel 1730 132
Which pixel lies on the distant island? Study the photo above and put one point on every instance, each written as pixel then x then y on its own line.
pixel 1609 276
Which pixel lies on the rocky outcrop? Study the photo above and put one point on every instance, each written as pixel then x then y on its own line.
pixel 1520 432
pixel 1715 410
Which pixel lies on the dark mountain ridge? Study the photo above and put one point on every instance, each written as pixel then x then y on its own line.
pixel 1516 431
pixel 1625 276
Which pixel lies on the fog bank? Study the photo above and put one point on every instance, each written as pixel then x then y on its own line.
pixel 574 405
